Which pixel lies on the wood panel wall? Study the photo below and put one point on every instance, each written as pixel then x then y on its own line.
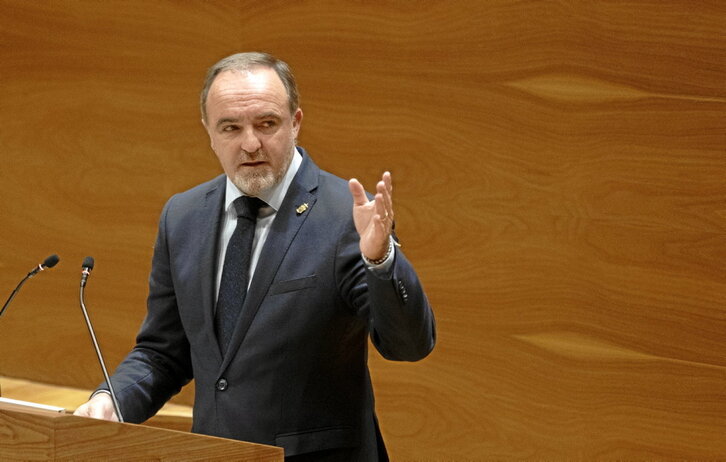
pixel 560 175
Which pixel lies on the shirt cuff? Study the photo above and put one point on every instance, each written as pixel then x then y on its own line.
pixel 385 266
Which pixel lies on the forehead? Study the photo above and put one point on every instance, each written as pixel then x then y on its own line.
pixel 234 89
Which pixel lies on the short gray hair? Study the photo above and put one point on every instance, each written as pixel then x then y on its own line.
pixel 245 62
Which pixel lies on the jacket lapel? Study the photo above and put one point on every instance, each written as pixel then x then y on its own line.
pixel 284 228
pixel 210 217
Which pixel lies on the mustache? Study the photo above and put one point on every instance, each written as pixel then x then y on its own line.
pixel 256 155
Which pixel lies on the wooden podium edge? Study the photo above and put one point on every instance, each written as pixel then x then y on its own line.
pixel 35 434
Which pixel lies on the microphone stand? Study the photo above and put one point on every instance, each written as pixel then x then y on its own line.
pixel 49 262
pixel 17 289
pixel 98 350
pixel 12 296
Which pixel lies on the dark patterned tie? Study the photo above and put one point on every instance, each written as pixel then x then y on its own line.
pixel 236 269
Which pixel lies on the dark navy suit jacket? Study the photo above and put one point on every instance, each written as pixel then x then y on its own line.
pixel 296 373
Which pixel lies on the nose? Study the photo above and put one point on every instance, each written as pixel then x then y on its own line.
pixel 250 143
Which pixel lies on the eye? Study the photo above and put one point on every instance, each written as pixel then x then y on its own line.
pixel 229 128
pixel 267 124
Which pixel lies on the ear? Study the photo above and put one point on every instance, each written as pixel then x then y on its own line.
pixel 296 121
pixel 211 139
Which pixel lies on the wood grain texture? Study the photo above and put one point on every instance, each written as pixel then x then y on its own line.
pixel 171 417
pixel 559 182
pixel 36 435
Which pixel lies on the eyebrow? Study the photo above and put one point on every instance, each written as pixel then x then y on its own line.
pixel 226 120
pixel 266 115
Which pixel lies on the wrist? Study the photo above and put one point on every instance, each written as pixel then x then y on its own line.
pixel 381 260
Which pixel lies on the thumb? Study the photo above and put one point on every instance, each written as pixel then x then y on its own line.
pixel 359 194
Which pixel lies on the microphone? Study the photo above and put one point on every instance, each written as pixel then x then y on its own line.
pixel 49 262
pixel 86 271
pixel 86 267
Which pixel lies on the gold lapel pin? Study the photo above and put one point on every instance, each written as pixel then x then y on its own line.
pixel 302 208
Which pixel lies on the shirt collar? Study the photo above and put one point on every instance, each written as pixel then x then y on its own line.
pixel 273 197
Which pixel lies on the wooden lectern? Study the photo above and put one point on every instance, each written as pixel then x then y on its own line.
pixel 32 434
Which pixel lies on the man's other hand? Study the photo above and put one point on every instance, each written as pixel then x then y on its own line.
pixel 99 406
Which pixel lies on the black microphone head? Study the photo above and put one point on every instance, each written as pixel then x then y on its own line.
pixel 51 261
pixel 88 263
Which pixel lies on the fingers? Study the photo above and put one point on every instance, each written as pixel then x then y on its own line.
pixel 384 199
pixel 388 180
pixel 373 219
pixel 98 407
pixel 382 205
pixel 359 194
pixel 82 410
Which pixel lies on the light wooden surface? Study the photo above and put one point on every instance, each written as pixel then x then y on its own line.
pixel 559 172
pixel 172 416
pixel 31 434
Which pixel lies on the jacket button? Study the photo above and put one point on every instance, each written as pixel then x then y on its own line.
pixel 222 384
pixel 402 291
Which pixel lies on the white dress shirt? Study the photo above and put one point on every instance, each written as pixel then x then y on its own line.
pixel 273 198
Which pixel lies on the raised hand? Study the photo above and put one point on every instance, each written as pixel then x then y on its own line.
pixel 373 219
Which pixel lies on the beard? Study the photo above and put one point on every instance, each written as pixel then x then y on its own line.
pixel 258 180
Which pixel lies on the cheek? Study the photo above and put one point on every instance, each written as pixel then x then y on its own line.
pixel 224 156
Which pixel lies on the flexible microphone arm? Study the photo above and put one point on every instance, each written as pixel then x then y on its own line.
pixel 87 267
pixel 49 262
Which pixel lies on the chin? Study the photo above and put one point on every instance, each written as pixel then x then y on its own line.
pixel 253 185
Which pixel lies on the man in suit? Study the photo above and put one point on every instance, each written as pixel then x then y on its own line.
pixel 289 367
